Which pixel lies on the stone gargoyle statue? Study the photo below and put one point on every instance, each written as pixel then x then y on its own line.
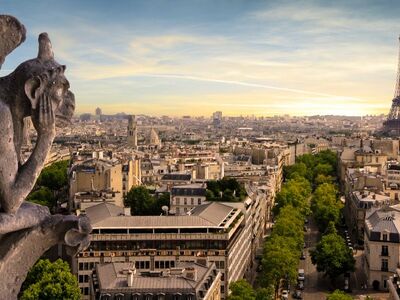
pixel 37 89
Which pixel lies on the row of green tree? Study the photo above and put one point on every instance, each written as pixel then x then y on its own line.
pixel 51 185
pixel 143 203
pixel 317 169
pixel 331 255
pixel 283 247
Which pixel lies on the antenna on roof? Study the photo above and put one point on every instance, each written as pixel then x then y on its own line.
pixel 165 209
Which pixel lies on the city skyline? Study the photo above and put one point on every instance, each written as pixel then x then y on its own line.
pixel 243 58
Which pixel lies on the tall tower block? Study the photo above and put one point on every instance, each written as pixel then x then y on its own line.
pixel 392 124
pixel 132 131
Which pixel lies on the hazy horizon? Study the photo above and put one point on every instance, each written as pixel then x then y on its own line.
pixel 259 58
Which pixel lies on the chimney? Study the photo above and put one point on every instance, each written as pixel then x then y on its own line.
pixel 130 278
pixel 202 259
pixel 127 211
pixel 190 273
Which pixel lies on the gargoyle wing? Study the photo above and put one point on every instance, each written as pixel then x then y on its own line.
pixel 12 34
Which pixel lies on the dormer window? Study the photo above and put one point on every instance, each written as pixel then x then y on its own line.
pixel 384 237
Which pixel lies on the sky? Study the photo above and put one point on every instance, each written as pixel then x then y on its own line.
pixel 194 57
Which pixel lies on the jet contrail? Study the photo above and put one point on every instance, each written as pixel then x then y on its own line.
pixel 243 83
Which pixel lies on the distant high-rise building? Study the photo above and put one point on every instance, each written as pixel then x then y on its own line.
pixel 85 117
pixel 132 131
pixel 217 118
pixel 98 111
pixel 392 125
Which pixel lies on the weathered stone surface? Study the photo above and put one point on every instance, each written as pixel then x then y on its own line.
pixel 12 34
pixel 37 89
pixel 28 215
pixel 20 250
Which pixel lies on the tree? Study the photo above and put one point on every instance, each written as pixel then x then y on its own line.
pixel 320 179
pixel 294 192
pixel 241 290
pixel 162 200
pixel 50 281
pixel 142 203
pixel 265 293
pixel 280 260
pixel 328 157
pixel 232 190
pixel 289 223
pixel 139 200
pixel 332 256
pixel 339 295
pixel 55 176
pixel 325 205
pixel 298 169
pixel 51 182
pixel 43 196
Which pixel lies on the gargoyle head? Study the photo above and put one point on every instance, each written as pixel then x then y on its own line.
pixel 43 76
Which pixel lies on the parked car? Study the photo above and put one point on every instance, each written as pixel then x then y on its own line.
pixel 346 284
pixel 300 285
pixel 285 295
pixel 297 295
pixel 300 275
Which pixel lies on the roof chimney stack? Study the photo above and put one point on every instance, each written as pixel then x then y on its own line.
pixel 130 278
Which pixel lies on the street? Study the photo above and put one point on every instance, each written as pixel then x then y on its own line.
pixel 317 287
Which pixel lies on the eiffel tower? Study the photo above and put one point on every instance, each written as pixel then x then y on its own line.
pixel 392 124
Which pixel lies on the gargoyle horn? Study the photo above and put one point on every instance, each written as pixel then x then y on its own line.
pixel 45 49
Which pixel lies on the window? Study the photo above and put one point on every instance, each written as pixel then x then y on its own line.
pixel 184 201
pixel 161 296
pixel 199 201
pixel 192 201
pixel 119 296
pixel 384 237
pixel 178 202
pixel 385 251
pixel 385 265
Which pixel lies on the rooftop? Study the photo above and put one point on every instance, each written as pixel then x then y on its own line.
pixel 185 278
pixel 210 215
